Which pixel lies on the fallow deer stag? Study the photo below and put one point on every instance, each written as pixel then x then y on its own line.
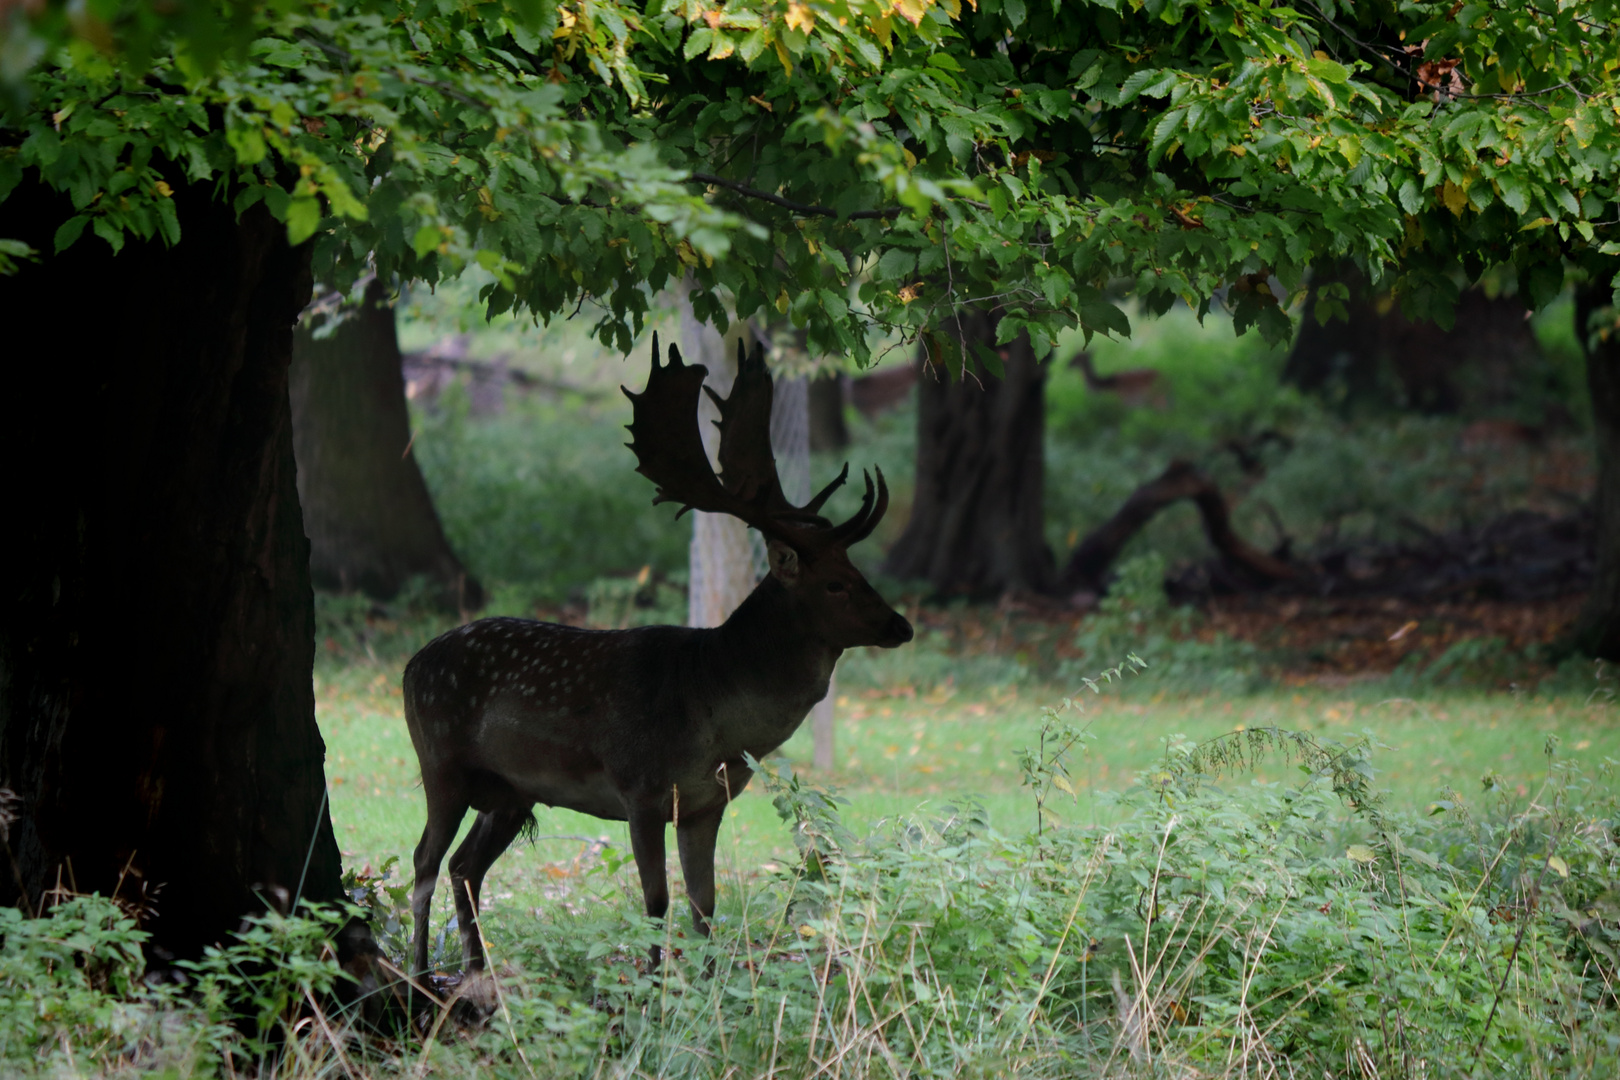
pixel 648 725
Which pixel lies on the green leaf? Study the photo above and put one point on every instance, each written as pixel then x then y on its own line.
pixel 67 233
pixel 426 240
pixel 698 43
pixel 110 233
pixel 248 142
pixel 1328 70
pixel 303 218
pixel 1138 84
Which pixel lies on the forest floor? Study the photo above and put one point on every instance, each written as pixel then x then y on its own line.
pixel 908 742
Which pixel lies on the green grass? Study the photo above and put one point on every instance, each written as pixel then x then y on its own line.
pixel 898 751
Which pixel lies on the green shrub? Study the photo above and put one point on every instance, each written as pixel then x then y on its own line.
pixel 1212 928
pixel 67 980
pixel 1137 618
pixel 545 497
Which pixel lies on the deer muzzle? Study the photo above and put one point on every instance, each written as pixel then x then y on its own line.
pixel 897 633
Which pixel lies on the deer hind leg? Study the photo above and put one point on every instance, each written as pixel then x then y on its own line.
pixel 491 834
pixel 695 838
pixel 445 811
pixel 647 845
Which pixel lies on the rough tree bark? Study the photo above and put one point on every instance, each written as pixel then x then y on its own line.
pixel 370 520
pixel 978 516
pixel 157 716
pixel 1597 630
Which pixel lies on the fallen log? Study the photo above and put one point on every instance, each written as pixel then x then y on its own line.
pixel 1082 577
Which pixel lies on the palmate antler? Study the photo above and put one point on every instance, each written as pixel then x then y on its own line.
pixel 669 450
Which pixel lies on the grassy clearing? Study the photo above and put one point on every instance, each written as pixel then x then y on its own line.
pixel 902 752
pixel 1254 908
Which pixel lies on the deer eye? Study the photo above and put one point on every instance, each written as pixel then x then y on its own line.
pixel 835 586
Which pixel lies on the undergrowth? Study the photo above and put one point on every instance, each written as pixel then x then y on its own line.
pixel 1216 926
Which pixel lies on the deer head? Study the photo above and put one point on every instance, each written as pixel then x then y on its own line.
pixel 809 556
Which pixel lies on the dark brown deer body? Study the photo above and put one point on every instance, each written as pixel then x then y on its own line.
pixel 649 725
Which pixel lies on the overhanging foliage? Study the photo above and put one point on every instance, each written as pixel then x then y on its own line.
pixel 856 164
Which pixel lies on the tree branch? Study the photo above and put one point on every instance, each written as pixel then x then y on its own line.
pixel 788 204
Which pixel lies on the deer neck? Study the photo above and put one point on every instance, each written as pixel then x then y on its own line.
pixel 776 664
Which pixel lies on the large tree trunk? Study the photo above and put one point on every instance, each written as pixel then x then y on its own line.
pixel 1380 358
pixel 157 718
pixel 369 517
pixel 978 519
pixel 1597 630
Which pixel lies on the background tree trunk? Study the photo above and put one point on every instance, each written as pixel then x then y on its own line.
pixel 1597 630
pixel 978 519
pixel 827 428
pixel 1380 358
pixel 368 514
pixel 157 717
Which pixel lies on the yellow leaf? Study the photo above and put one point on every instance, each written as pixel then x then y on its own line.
pixel 1455 198
pixel 883 27
pixel 1558 866
pixel 782 55
pixel 800 17
pixel 1061 782
pixel 912 10
pixel 782 302
pixel 1360 853
pixel 164 189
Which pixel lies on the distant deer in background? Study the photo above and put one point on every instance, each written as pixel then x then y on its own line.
pixel 1135 387
pixel 648 725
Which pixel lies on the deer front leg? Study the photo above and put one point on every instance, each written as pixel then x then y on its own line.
pixel 695 838
pixel 647 845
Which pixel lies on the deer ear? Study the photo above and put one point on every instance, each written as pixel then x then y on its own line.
pixel 784 562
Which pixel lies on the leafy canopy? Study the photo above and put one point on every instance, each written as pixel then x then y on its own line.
pixel 855 163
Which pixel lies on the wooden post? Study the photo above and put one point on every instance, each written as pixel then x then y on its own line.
pixel 821 729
